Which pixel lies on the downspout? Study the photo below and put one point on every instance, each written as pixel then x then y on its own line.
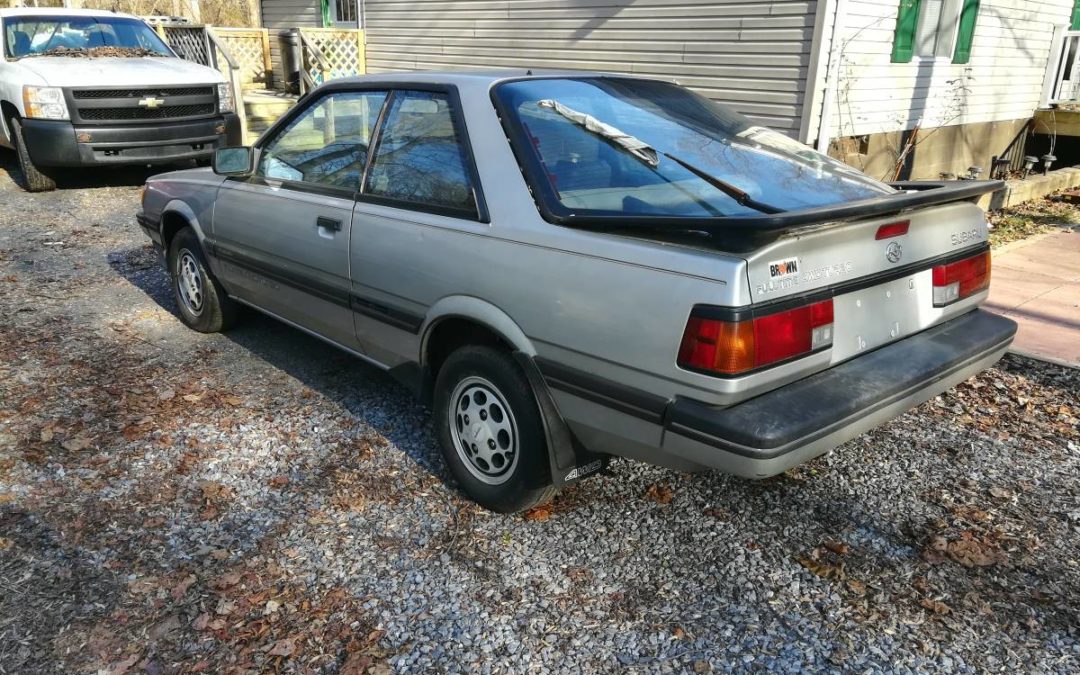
pixel 832 78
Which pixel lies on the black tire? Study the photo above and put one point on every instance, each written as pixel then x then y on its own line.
pixel 522 484
pixel 34 179
pixel 209 310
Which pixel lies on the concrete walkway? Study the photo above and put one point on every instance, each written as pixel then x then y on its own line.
pixel 1036 283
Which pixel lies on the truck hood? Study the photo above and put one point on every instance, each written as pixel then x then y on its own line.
pixel 58 71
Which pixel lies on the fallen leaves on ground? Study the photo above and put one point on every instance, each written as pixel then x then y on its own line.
pixel 661 493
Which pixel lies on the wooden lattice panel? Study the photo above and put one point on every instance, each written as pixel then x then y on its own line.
pixel 251 50
pixel 189 42
pixel 342 49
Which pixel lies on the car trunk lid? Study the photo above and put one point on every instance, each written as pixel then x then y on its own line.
pixel 878 272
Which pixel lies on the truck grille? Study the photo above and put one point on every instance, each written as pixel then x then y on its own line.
pixel 166 113
pixel 84 94
pixel 141 104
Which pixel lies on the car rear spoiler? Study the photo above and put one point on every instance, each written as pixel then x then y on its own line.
pixel 755 230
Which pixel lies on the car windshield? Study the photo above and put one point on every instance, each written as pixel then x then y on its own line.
pixel 27 36
pixel 583 138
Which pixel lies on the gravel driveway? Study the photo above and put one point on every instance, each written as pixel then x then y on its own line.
pixel 174 502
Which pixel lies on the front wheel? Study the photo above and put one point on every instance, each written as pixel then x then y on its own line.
pixel 490 430
pixel 34 179
pixel 202 301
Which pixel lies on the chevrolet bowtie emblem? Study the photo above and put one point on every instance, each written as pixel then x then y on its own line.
pixel 151 102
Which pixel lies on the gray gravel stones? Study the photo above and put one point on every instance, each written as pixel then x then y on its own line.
pixel 266 461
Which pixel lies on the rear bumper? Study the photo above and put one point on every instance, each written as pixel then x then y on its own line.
pixel 62 144
pixel 780 429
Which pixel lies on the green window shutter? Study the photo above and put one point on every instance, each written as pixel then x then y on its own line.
pixel 1075 24
pixel 904 39
pixel 966 32
pixel 327 20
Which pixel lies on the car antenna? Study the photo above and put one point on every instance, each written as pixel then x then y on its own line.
pixel 529 71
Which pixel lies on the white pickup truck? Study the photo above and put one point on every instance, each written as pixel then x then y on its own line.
pixel 87 88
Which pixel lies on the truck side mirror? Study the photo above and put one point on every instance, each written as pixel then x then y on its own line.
pixel 232 161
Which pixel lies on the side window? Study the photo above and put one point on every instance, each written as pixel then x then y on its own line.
pixel 420 159
pixel 327 144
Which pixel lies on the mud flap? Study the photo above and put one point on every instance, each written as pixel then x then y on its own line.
pixel 570 461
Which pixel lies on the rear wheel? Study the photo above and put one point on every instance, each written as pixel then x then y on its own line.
pixel 34 180
pixel 490 430
pixel 202 301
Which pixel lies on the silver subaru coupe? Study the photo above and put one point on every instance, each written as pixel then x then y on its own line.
pixel 571 266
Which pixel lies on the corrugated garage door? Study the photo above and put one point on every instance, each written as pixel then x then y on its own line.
pixel 752 55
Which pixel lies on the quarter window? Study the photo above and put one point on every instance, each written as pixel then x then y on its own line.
pixel 420 160
pixel 327 144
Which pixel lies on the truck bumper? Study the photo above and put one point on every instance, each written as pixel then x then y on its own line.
pixel 773 432
pixel 61 144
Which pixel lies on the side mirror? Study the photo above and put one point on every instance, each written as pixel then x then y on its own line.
pixel 233 161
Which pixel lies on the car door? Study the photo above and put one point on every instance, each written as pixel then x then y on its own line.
pixel 282 234
pixel 421 194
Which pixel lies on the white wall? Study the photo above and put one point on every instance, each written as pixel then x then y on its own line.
pixel 751 54
pixel 1003 80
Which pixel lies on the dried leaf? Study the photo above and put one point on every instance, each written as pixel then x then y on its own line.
pixel 180 589
pixel 1001 493
pixel 284 647
pixel 660 493
pixel 193 398
pixel 823 569
pixel 538 513
pixel 121 667
pixel 77 444
pixel 935 606
pixel 201 622
pixel 837 547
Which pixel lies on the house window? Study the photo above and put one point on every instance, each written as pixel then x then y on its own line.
pixel 935 28
pixel 346 11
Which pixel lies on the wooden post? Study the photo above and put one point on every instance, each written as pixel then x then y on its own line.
pixel 268 79
pixel 255 14
pixel 195 11
pixel 361 53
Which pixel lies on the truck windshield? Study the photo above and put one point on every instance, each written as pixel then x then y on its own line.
pixel 26 36
pixel 699 145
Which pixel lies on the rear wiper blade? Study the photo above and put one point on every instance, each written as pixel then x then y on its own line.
pixel 635 146
pixel 650 156
pixel 740 196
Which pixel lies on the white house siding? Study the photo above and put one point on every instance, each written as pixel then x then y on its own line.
pixel 751 54
pixel 1003 80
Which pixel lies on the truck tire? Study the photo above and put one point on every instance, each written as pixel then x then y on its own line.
pixel 490 430
pixel 202 302
pixel 34 180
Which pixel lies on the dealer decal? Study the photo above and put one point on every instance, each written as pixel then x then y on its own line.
pixel 782 268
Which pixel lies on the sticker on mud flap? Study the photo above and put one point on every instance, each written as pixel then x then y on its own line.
pixel 782 268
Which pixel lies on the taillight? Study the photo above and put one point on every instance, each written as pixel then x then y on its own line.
pixel 733 347
pixel 957 280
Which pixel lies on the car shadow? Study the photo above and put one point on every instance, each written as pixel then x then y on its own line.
pixel 370 395
pixel 89 177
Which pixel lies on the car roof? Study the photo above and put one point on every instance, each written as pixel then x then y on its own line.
pixel 471 78
pixel 60 11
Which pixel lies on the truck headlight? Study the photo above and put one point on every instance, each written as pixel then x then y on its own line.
pixel 45 103
pixel 225 99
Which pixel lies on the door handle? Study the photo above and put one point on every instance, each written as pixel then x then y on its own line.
pixel 331 224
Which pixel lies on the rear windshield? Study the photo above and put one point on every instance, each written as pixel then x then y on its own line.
pixel 80 35
pixel 605 146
